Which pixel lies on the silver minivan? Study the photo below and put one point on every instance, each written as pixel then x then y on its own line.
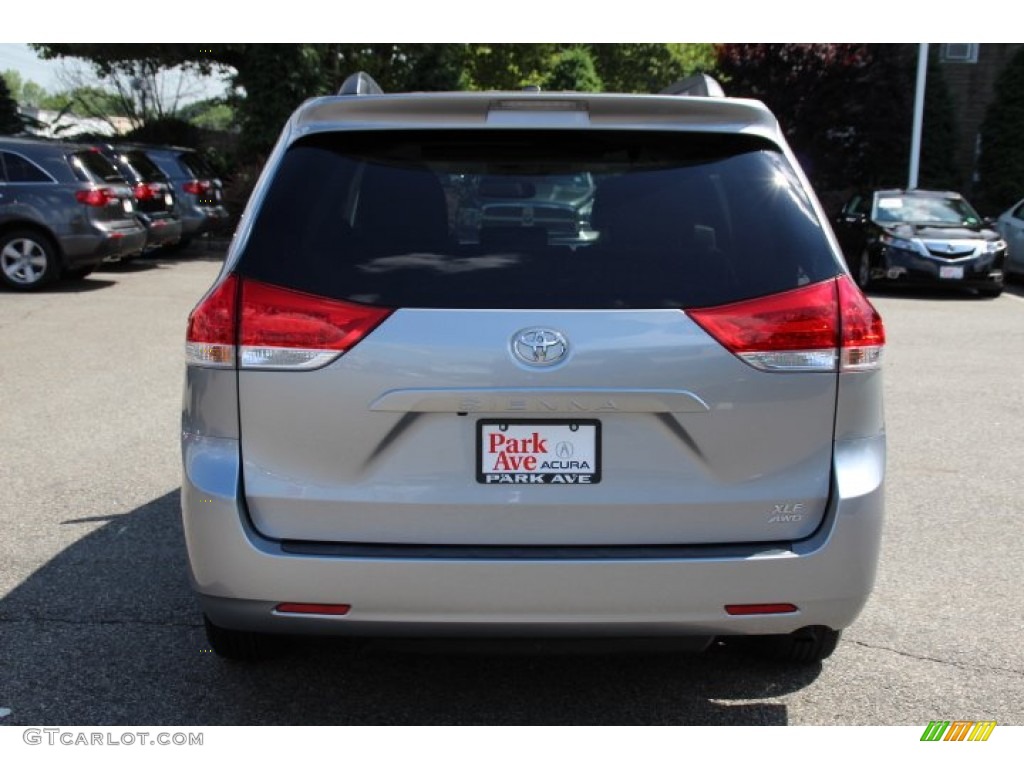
pixel 670 429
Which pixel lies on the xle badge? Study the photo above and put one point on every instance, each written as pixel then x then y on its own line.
pixel 787 513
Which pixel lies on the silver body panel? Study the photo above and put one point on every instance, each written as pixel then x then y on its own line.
pixel 323 462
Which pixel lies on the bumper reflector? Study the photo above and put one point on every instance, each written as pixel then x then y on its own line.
pixel 759 608
pixel 324 609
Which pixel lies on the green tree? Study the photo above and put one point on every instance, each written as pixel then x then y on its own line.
pixel 85 100
pixel 573 70
pixel 27 93
pixel 649 67
pixel 211 114
pixel 507 66
pixel 1001 165
pixel 10 120
pixel 847 109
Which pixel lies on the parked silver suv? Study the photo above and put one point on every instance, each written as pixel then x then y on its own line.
pixel 673 428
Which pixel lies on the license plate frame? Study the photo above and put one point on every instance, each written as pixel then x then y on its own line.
pixel 951 272
pixel 531 433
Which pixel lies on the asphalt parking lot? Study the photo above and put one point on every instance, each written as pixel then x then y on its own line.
pixel 98 626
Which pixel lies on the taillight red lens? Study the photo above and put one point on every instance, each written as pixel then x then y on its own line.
pixel 793 331
pixel 812 328
pixel 196 187
pixel 282 328
pixel 146 191
pixel 863 334
pixel 95 198
pixel 276 328
pixel 210 339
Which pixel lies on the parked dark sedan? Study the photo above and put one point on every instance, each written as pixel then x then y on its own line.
pixel 923 237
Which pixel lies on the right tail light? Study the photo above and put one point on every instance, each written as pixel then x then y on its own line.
pixel 820 327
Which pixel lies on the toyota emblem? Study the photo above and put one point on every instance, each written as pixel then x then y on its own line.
pixel 539 346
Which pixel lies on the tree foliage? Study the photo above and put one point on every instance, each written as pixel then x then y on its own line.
pixel 1001 165
pixel 649 67
pixel 211 114
pixel 10 120
pixel 847 109
pixel 27 93
pixel 573 70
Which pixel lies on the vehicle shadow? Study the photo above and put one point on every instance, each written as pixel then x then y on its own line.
pixel 140 264
pixel 926 293
pixel 84 285
pixel 107 632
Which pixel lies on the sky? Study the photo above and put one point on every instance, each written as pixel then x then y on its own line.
pixel 18 56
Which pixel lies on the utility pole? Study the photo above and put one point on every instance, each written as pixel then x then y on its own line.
pixel 915 138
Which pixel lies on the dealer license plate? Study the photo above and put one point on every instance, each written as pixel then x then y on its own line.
pixel 951 273
pixel 521 452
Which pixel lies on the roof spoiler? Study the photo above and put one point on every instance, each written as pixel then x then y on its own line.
pixel 359 84
pixel 695 85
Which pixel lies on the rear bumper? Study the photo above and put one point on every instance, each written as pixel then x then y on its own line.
pixel 162 231
pixel 198 219
pixel 241 576
pixel 103 243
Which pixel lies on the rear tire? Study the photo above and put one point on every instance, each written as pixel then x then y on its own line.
pixel 809 645
pixel 242 646
pixel 863 273
pixel 28 260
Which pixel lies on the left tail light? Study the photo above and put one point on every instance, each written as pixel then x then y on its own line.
pixel 255 325
pixel 95 198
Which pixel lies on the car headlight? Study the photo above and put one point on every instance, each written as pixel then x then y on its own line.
pixel 898 243
pixel 995 245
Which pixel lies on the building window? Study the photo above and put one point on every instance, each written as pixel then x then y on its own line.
pixel 960 53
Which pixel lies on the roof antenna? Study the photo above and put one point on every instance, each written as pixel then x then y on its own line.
pixel 359 84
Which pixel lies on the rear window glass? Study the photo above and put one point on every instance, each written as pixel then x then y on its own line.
pixel 94 167
pixel 144 168
pixel 194 165
pixel 517 219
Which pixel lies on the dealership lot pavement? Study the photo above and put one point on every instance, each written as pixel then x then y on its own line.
pixel 97 624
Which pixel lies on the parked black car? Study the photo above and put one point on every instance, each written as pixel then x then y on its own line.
pixel 199 191
pixel 919 236
pixel 63 209
pixel 155 202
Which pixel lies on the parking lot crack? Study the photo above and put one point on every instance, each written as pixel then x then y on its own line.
pixel 946 662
